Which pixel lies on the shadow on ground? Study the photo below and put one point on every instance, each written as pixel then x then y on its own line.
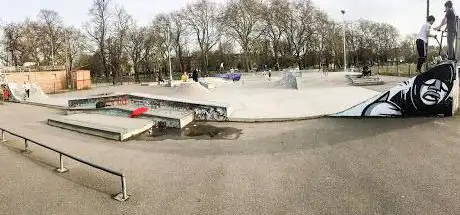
pixel 197 131
pixel 273 138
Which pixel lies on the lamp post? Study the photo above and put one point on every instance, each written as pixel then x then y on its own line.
pixel 168 39
pixel 344 42
pixel 427 15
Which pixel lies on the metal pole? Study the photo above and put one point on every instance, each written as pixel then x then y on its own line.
pixel 344 42
pixel 427 42
pixel 123 187
pixel 3 136
pixel 123 196
pixel 61 168
pixel 26 147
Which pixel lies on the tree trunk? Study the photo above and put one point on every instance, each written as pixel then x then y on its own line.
pixel 275 50
pixel 246 60
pixel 136 72
pixel 181 59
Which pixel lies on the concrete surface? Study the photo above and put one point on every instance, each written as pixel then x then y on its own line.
pixel 252 99
pixel 323 166
pixel 111 127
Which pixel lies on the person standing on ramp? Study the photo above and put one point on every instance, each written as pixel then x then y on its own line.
pixel 451 20
pixel 422 42
pixel 27 90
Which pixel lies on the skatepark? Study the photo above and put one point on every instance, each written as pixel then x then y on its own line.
pixel 308 141
pixel 255 98
pixel 204 175
pixel 286 96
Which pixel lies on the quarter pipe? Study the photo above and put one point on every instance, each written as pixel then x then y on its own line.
pixel 18 94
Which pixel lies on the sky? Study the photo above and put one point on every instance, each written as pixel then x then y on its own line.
pixel 406 15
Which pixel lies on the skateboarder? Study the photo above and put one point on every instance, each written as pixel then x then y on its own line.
pixel 422 42
pixel 27 89
pixel 450 20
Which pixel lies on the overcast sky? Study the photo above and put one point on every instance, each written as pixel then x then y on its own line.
pixel 406 15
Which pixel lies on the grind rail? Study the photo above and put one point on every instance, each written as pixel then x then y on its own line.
pixel 122 196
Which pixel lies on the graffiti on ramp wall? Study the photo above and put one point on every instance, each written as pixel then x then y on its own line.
pixel 427 94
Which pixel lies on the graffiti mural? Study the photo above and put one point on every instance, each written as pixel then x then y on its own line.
pixel 203 112
pixel 428 94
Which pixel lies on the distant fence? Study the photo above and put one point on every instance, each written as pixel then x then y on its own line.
pixel 13 69
pixel 404 70
pixel 122 196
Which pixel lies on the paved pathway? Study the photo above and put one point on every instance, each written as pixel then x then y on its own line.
pixel 323 166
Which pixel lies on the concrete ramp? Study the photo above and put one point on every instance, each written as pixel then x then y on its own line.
pixel 18 93
pixel 110 127
pixel 433 93
pixel 287 80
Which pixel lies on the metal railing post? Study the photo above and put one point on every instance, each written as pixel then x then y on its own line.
pixel 123 196
pixel 3 136
pixel 26 147
pixel 123 185
pixel 61 168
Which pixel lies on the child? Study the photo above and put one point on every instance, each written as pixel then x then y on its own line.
pixel 6 93
pixel 422 42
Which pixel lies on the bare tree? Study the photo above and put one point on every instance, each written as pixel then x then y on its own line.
pixel 32 42
pixel 179 33
pixel 243 23
pixel 100 13
pixel 136 41
pixel 12 36
pixel 203 18
pixel 53 23
pixel 160 35
pixel 298 26
pixel 75 45
pixel 118 40
pixel 273 14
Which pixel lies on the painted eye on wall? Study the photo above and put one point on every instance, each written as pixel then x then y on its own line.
pixel 430 82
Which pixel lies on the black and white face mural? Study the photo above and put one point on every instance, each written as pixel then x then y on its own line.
pixel 428 94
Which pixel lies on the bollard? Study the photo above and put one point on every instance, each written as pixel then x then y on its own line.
pixel 61 168
pixel 123 196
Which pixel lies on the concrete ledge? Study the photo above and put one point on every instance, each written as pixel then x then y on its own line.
pixel 45 105
pixel 172 119
pixel 110 127
pixel 204 110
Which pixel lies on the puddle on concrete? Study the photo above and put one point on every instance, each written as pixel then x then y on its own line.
pixel 197 131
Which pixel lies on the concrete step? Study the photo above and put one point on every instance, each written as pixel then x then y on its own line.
pixel 110 127
pixel 171 118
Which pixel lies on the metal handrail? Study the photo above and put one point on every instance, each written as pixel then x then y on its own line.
pixel 122 196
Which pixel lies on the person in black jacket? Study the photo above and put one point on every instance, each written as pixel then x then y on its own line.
pixel 451 21
pixel 195 75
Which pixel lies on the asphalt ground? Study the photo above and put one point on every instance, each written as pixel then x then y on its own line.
pixel 322 166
